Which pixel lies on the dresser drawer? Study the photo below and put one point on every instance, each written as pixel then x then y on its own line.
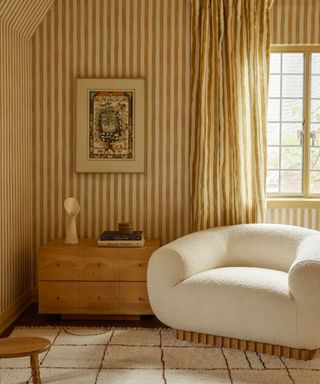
pixel 55 265
pixel 99 298
pixel 133 264
pixel 100 268
pixel 134 299
pixel 58 297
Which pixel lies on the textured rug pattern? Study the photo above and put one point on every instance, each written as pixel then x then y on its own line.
pixel 149 356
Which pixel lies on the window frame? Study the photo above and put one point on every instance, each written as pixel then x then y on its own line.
pixel 307 50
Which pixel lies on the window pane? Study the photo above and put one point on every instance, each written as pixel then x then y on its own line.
pixel 291 158
pixel 315 86
pixel 315 111
pixel 315 159
pixel 315 128
pixel 273 134
pixel 273 110
pixel 292 63
pixel 292 110
pixel 314 181
pixel 292 86
pixel 285 128
pixel 314 177
pixel 291 134
pixel 273 157
pixel 275 62
pixel 291 182
pixel 315 63
pixel 274 86
pixel 273 181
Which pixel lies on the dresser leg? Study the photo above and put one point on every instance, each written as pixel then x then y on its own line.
pixel 34 362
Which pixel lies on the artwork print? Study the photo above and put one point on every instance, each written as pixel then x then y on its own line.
pixel 111 125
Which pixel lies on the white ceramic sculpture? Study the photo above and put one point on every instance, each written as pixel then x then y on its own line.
pixel 72 207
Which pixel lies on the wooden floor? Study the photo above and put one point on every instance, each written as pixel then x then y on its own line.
pixel 31 318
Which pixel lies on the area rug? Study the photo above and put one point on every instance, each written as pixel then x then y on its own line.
pixel 149 356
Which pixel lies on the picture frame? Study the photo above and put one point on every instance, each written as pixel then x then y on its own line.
pixel 110 125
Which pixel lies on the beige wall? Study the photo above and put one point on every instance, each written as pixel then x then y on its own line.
pixel 295 22
pixel 16 168
pixel 17 22
pixel 112 38
pixel 125 38
pixel 304 217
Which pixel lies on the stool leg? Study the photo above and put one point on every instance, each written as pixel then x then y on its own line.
pixel 34 362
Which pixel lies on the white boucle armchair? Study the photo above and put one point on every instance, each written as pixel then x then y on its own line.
pixel 249 286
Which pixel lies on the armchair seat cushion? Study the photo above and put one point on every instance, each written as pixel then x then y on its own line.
pixel 236 300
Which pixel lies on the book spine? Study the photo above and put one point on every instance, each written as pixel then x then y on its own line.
pixel 119 243
pixel 106 236
pixel 119 238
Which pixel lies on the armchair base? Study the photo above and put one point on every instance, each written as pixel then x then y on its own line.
pixel 246 345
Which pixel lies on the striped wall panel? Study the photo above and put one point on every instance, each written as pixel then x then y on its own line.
pixel 15 167
pixel 114 38
pixel 121 38
pixel 295 22
pixel 304 217
pixel 24 16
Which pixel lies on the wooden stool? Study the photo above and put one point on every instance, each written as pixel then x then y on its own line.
pixel 25 346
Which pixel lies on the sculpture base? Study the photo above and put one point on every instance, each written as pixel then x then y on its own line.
pixel 245 345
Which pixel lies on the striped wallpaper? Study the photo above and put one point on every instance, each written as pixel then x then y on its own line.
pixel 18 21
pixel 24 16
pixel 295 22
pixel 124 38
pixel 304 217
pixel 16 168
pixel 115 38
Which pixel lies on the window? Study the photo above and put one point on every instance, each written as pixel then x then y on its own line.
pixel 293 123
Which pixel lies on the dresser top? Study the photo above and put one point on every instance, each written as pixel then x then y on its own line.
pixel 94 243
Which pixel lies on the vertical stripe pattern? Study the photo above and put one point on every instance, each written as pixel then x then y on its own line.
pixel 24 16
pixel 295 22
pixel 303 217
pixel 230 61
pixel 15 167
pixel 104 39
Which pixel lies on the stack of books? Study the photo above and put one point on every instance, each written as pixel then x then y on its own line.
pixel 120 239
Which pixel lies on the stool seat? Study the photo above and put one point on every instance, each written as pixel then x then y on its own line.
pixel 22 346
pixel 25 346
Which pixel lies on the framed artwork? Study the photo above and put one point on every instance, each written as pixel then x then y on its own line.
pixel 110 125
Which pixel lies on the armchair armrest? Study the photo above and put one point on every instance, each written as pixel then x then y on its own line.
pixel 304 274
pixel 186 257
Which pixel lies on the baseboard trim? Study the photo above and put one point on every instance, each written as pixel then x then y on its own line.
pixel 99 317
pixel 11 314
pixel 245 345
pixel 34 292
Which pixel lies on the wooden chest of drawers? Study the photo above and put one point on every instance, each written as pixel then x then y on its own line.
pixel 89 280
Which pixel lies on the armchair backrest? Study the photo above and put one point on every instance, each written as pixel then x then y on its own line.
pixel 272 246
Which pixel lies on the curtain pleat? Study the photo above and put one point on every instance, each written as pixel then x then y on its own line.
pixel 229 76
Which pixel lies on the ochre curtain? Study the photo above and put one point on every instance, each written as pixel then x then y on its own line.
pixel 229 77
